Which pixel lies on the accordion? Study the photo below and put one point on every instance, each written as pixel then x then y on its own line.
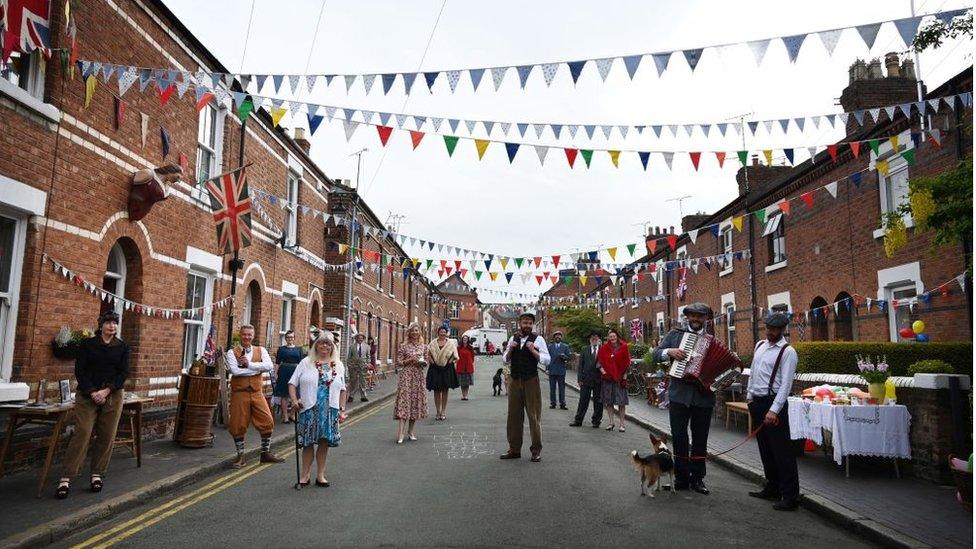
pixel 707 361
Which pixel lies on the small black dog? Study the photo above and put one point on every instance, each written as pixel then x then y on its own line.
pixel 496 382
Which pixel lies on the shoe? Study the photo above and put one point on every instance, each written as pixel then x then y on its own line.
pixel 322 484
pixel 63 489
pixel 239 462
pixel 766 493
pixel 363 399
pixel 552 406
pixel 576 424
pixel 304 482
pixel 268 457
pixel 411 437
pixel 563 407
pixel 96 483
pixel 610 427
pixel 785 505
pixel 622 429
pixel 510 455
pixel 536 458
pixel 699 486
pixel 399 441
pixel 596 425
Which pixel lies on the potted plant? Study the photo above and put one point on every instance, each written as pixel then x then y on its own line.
pixel 65 343
pixel 875 374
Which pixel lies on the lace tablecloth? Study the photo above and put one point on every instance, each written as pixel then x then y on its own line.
pixel 857 430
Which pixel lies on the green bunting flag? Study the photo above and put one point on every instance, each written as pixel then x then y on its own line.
pixel 761 215
pixel 477 275
pixel 519 261
pixel 743 157
pixel 631 248
pixel 909 156
pixel 587 156
pixel 245 108
pixel 873 143
pixel 451 141
pixel 567 279
pixel 429 263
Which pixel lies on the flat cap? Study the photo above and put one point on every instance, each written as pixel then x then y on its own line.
pixel 698 308
pixel 777 320
pixel 527 314
pixel 557 332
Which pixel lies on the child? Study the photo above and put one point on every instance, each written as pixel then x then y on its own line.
pixel 496 383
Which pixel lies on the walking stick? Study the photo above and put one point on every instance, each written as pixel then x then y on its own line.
pixel 298 457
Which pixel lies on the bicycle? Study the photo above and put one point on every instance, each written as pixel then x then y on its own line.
pixel 636 383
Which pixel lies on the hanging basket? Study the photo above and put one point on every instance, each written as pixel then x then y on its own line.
pixel 66 352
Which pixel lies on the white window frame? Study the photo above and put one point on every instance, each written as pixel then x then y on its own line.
pixel 774 225
pixel 198 191
pixel 634 284
pixel 454 312
pixel 203 324
pixel 897 279
pixel 728 301
pixel 782 298
pixel 292 184
pixel 9 301
pixel 659 277
pixel 727 245
pixel 287 312
pixel 31 95
pixel 897 166
pixel 659 322
pixel 120 278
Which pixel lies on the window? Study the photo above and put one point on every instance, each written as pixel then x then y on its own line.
pixel 114 281
pixel 818 319
pixel 634 286
pixel 379 272
pixel 775 239
pixel 199 288
pixel 900 316
pixel 455 311
pixel 287 308
pixel 894 186
pixel 252 304
pixel 902 282
pixel 729 310
pixel 12 239
pixel 207 132
pixel 726 249
pixel 25 71
pixel 291 210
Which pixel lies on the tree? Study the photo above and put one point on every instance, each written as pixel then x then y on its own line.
pixel 935 32
pixel 577 324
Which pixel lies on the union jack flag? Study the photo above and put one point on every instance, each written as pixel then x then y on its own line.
pixel 230 201
pixel 210 348
pixel 636 329
pixel 24 27
pixel 682 283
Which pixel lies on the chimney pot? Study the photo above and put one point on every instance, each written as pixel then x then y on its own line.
pixel 302 141
pixel 755 160
pixel 874 69
pixel 908 69
pixel 891 63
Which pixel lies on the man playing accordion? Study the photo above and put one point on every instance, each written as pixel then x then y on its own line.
pixel 691 404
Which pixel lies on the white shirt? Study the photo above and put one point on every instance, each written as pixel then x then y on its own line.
pixel 540 345
pixel 762 367
pixel 306 380
pixel 253 368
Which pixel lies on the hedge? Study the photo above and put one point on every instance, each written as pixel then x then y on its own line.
pixel 839 357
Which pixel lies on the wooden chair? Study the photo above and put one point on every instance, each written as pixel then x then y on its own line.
pixel 737 408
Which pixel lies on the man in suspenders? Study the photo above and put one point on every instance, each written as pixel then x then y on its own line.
pixel 247 364
pixel 770 383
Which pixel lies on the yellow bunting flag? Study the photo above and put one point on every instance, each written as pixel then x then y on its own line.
pixel 90 89
pixel 494 276
pixel 613 253
pixel 894 142
pixel 615 158
pixel 277 114
pixel 343 248
pixel 504 262
pixel 482 145
pixel 882 167
pixel 768 153
pixel 583 279
pixel 737 223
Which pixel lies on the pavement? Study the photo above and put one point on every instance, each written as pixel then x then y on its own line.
pixel 906 512
pixel 166 467
pixel 449 489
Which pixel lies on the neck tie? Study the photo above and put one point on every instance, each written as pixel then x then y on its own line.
pixel 594 350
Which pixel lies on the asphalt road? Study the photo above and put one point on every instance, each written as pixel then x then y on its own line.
pixel 449 489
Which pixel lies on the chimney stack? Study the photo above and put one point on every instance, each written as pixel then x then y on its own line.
pixel 301 140
pixel 869 88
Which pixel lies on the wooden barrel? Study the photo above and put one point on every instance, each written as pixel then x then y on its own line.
pixel 199 395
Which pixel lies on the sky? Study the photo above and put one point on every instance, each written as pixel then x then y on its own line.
pixel 525 209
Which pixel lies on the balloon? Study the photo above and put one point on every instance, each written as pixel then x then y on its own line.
pixel 918 327
pixel 922 338
pixel 906 333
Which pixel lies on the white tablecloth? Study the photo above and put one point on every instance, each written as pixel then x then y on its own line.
pixel 857 430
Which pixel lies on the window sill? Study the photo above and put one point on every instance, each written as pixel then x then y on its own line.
pixel 725 272
pixel 879 232
pixel 775 266
pixel 21 96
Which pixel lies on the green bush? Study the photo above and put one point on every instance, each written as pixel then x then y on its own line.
pixel 930 367
pixel 839 357
pixel 638 350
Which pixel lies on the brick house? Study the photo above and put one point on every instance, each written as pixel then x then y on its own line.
pixel 814 257
pixel 462 311
pixel 65 174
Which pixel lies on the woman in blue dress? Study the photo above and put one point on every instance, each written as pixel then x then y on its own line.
pixel 318 392
pixel 286 359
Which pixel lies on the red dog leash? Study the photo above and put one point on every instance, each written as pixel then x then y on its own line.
pixel 745 440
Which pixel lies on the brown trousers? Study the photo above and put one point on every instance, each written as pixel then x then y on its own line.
pixel 247 404
pixel 104 420
pixel 524 398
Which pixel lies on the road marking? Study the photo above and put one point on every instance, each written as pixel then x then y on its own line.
pixel 153 516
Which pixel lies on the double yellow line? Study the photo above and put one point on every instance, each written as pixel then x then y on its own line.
pixel 159 513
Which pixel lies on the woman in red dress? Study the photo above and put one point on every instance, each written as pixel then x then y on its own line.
pixel 465 366
pixel 614 360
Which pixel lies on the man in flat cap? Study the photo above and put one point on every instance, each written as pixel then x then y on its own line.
pixel 773 370
pixel 559 355
pixel 524 352
pixel 690 405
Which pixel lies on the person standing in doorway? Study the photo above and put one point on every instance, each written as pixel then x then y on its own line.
pixel 247 364
pixel 614 361
pixel 773 370
pixel 359 353
pixel 690 405
pixel 411 394
pixel 286 359
pixel 525 352
pixel 101 368
pixel 465 366
pixel 441 376
pixel 590 383
pixel 559 355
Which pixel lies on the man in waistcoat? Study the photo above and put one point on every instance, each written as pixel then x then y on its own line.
pixel 590 382
pixel 247 364
pixel 524 353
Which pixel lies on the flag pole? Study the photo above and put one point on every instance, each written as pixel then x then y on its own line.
pixel 235 264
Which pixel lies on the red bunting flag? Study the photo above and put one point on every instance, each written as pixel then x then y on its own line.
pixel 416 136
pixel 555 260
pixel 695 157
pixel 554 279
pixel 832 151
pixel 785 206
pixel 537 261
pixel 204 101
pixel 538 278
pixel 855 148
pixel 721 159
pixel 448 270
pixel 673 241
pixel 385 132
pixel 571 156
pixel 165 94
pixel 443 263
pixel 807 199
pixel 651 245
pixel 457 264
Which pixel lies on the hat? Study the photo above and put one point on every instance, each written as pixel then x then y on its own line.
pixel 359 334
pixel 698 308
pixel 596 333
pixel 777 320
pixel 108 316
pixel 527 314
pixel 557 332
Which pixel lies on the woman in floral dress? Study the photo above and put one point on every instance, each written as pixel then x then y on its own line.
pixel 411 396
pixel 318 392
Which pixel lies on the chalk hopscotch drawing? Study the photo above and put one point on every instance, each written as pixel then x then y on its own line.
pixel 462 445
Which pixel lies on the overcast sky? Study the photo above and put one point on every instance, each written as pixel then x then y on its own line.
pixel 526 209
